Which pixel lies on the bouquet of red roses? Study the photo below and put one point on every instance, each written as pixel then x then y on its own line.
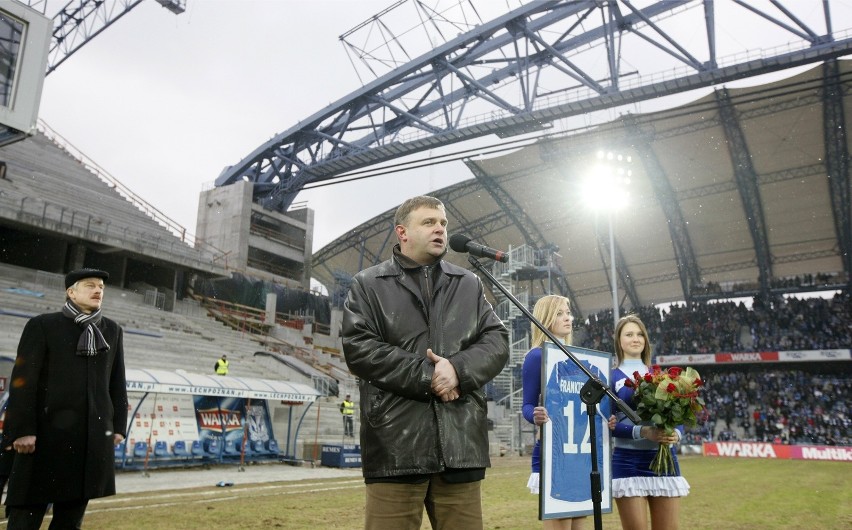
pixel 667 398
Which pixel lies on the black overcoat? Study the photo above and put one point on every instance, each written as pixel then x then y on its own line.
pixel 73 405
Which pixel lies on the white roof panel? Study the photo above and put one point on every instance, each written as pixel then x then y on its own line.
pixel 181 382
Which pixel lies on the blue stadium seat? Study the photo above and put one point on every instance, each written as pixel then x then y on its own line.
pixel 181 450
pixel 161 449
pixel 196 449
pixel 231 448
pixel 272 447
pixel 213 447
pixel 119 451
pixel 140 449
pixel 259 447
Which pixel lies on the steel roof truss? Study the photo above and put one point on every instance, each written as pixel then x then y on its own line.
pixel 574 71
pixel 378 257
pixel 747 183
pixel 807 34
pixel 710 28
pixel 687 264
pixel 837 162
pixel 410 118
pixel 684 56
pixel 441 109
pixel 621 269
pixel 481 89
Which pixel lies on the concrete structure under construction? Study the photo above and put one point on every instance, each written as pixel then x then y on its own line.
pixel 264 243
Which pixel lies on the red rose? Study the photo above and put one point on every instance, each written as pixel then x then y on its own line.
pixel 655 368
pixel 698 382
pixel 629 383
pixel 636 376
pixel 649 378
pixel 671 389
pixel 675 371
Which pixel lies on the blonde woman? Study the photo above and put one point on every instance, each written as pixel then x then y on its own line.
pixel 636 489
pixel 554 312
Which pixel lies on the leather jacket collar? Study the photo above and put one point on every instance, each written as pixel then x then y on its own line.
pixel 407 263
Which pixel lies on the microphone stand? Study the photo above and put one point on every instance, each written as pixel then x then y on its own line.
pixel 591 393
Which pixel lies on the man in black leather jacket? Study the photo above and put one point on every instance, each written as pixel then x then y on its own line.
pixel 423 341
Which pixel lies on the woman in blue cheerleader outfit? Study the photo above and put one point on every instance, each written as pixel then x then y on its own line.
pixel 554 312
pixel 635 488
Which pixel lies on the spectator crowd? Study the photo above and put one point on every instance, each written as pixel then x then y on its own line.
pixel 795 404
pixel 701 327
pixel 788 406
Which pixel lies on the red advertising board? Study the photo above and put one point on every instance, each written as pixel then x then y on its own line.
pixel 726 358
pixel 769 450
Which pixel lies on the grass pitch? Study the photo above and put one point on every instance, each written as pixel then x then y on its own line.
pixel 727 494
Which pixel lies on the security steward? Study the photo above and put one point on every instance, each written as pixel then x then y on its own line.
pixel 222 365
pixel 347 408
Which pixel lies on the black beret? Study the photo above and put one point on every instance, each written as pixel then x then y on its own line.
pixel 75 276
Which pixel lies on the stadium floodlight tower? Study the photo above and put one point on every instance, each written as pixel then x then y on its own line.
pixel 605 190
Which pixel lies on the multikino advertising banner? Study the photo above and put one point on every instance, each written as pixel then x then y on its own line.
pixel 222 419
pixel 566 449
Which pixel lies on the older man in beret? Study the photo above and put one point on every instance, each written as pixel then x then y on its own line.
pixel 67 408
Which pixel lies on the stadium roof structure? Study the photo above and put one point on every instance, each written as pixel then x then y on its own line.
pixel 528 69
pixel 744 185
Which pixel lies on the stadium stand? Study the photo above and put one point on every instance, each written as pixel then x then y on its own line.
pixel 789 324
pixel 809 405
pixel 795 403
pixel 48 188
pixel 186 339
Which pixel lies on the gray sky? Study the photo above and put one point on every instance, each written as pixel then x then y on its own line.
pixel 165 102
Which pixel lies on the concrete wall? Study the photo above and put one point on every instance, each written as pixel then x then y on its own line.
pixel 223 221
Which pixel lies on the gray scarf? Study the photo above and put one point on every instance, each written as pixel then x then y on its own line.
pixel 91 340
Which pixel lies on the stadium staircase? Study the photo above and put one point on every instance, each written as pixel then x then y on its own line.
pixel 507 384
pixel 252 322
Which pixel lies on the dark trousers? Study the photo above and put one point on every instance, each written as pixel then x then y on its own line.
pixel 66 516
pixel 348 425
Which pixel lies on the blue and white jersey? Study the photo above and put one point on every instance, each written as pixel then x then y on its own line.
pixel 571 434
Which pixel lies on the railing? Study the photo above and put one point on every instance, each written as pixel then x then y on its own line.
pixel 519 257
pixel 253 320
pixel 143 206
pixel 274 235
pixel 155 298
pixel 272 267
pixel 518 350
pixel 62 218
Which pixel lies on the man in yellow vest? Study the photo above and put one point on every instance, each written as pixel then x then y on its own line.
pixel 222 365
pixel 347 408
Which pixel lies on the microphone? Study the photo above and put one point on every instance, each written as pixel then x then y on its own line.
pixel 462 243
